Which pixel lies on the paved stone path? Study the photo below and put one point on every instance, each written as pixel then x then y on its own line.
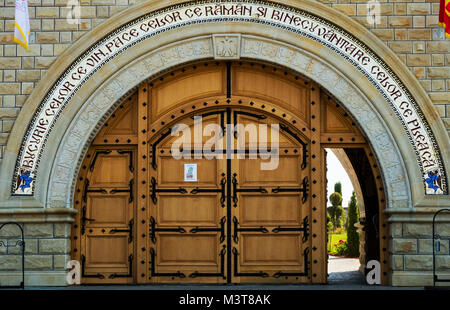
pixel 342 270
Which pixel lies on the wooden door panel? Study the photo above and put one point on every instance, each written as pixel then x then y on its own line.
pixel 273 251
pixel 179 89
pixel 188 250
pixel 172 172
pixel 111 170
pixel 173 210
pixel 288 167
pixel 107 251
pixel 111 210
pixel 108 211
pixel 271 87
pixel 270 210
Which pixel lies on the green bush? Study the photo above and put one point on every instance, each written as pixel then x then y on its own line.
pixel 352 234
pixel 335 211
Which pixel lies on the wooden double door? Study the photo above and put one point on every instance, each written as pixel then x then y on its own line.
pixel 213 173
pixel 226 219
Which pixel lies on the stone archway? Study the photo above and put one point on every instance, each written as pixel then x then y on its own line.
pixel 89 104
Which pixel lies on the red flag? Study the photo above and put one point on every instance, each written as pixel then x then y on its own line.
pixel 444 16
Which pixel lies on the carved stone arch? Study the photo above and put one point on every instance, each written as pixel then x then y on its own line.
pixel 87 108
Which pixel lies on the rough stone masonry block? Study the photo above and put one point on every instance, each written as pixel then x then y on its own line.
pixel 443 262
pixel 38 262
pixel 54 246
pixel 396 229
pixel 443 229
pixel 10 231
pixel 397 262
pixel 62 230
pixel 3 248
pixel 401 246
pixel 426 246
pixel 39 230
pixel 418 262
pixel 31 246
pixel 60 261
pixel 417 230
pixel 10 262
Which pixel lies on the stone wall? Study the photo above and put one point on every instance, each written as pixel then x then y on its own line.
pixel 412 249
pixel 409 28
pixel 47 251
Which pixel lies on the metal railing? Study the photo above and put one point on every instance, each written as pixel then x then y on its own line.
pixel 20 243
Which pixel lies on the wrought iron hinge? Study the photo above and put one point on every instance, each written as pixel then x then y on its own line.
pixel 221 229
pixel 223 182
pixel 236 190
pixel 129 190
pixel 155 190
pixel 296 137
pixel 153 229
pixel 245 274
pixel 304 229
pixel 130 270
pixel 129 230
pixel 84 219
pixel 236 229
pixel 236 113
pixel 222 253
pixel 130 163
pixel 303 189
pixel 94 160
pixel 153 272
pixel 163 136
pixel 87 190
pixel 83 273
pixel 296 274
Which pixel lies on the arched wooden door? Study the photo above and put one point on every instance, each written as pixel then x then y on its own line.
pixel 242 205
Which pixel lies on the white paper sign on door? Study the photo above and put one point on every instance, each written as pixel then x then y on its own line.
pixel 190 172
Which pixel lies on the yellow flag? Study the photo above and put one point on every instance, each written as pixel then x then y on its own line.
pixel 22 23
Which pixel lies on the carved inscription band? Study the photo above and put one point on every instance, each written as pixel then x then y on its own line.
pixel 304 24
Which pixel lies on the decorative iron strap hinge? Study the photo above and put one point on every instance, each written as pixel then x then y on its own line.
pixel 155 190
pixel 296 274
pixel 221 229
pixel 83 273
pixel 129 231
pixel 236 113
pixel 245 274
pixel 153 272
pixel 304 229
pixel 222 253
pixel 243 190
pixel 153 229
pixel 163 136
pixel 130 163
pixel 223 182
pixel 130 270
pixel 296 137
pixel 86 190
pixel 129 190
pixel 94 160
pixel 84 219
pixel 260 229
pixel 303 189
